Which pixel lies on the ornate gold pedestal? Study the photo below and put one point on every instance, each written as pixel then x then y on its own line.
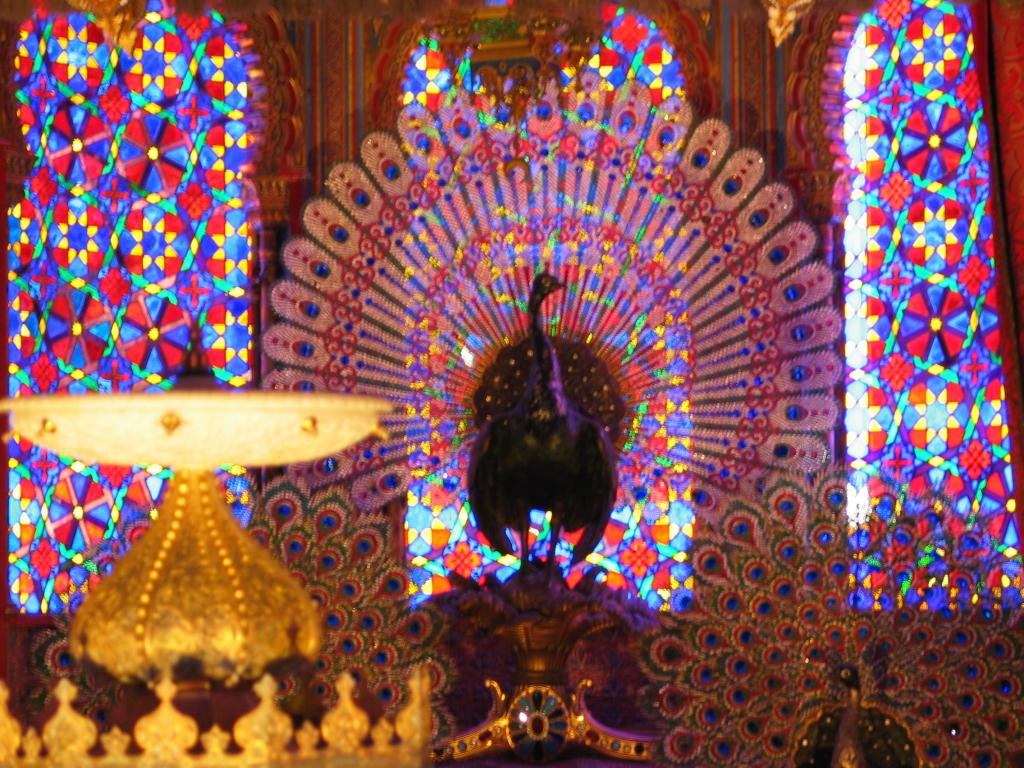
pixel 542 620
pixel 196 596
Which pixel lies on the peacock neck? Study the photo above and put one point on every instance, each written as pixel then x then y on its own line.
pixel 547 389
pixel 848 752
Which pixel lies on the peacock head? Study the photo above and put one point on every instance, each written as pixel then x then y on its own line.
pixel 849 676
pixel 544 284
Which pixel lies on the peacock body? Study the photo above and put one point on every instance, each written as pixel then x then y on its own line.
pixel 696 324
pixel 821 628
pixel 543 453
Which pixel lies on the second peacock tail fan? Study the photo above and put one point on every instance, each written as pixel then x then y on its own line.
pixel 50 660
pixel 349 564
pixel 811 591
pixel 696 325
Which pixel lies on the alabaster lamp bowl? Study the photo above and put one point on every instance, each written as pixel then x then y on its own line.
pixel 195 592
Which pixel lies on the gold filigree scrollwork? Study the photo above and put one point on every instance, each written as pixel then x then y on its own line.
pixel 783 16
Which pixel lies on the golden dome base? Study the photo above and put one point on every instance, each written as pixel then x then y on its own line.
pixel 195 597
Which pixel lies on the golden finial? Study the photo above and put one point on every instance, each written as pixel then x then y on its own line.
pixel 345 727
pixel 10 729
pixel 115 742
pixel 412 722
pixel 165 733
pixel 382 733
pixel 216 742
pixel 31 745
pixel 68 736
pixel 264 732
pixel 306 739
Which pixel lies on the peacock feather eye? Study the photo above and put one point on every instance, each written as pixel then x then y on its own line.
pixel 390 170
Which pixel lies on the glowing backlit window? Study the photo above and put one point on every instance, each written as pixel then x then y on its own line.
pixel 646 556
pixel 427 77
pixel 633 47
pixel 132 232
pixel 925 391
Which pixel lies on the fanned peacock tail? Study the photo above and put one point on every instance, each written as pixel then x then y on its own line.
pixel 697 325
pixel 850 573
pixel 349 563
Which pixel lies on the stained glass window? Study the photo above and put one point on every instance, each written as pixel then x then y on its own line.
pixel 132 232
pixel 427 76
pixel 645 543
pixel 631 48
pixel 925 391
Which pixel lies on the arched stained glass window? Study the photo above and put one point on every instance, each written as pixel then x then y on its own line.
pixel 132 232
pixel 441 536
pixel 925 391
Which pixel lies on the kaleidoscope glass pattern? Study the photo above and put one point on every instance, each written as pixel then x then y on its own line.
pixel 631 48
pixel 131 241
pixel 427 76
pixel 442 536
pixel 925 392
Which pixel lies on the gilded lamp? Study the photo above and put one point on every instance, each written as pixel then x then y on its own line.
pixel 196 595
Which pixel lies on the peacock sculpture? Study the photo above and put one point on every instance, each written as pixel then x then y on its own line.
pixel 543 453
pixel 694 333
pixel 842 625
